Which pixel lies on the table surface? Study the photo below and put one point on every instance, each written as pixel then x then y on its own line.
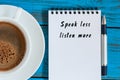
pixel 110 8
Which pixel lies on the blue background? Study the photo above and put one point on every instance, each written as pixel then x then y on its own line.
pixel 110 8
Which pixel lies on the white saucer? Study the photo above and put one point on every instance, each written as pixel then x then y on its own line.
pixel 36 38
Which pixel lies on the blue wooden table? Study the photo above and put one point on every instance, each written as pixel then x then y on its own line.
pixel 110 8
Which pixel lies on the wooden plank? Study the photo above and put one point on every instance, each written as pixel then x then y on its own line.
pixel 113 54
pixel 38 79
pixel 39 8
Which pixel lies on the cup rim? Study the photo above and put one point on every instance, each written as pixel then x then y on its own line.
pixel 37 43
pixel 27 42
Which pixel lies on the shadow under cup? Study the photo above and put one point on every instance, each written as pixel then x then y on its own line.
pixel 13 45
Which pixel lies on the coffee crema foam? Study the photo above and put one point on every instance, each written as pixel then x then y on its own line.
pixel 7 54
pixel 12 46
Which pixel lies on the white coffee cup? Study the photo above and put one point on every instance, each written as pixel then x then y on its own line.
pixel 34 41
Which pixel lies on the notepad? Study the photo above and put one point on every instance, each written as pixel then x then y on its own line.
pixel 74 44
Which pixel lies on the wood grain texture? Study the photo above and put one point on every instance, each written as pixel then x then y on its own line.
pixel 110 8
pixel 37 79
pixel 113 54
pixel 38 8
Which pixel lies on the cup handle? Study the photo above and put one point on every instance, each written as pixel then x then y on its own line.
pixel 18 14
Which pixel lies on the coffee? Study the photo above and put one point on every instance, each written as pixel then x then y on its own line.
pixel 12 46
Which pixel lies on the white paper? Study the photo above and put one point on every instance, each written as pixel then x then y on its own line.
pixel 77 58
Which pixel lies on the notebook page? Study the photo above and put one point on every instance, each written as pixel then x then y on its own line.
pixel 74 45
